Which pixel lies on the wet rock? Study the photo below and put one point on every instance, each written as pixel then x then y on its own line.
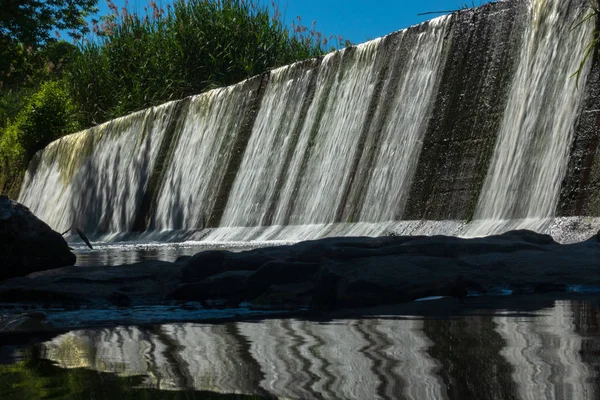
pixel 27 244
pixel 204 264
pixel 447 246
pixel 182 259
pixel 282 272
pixel 147 282
pixel 251 260
pixel 229 285
pixel 524 235
pixel 391 279
pixel 285 296
pixel 326 274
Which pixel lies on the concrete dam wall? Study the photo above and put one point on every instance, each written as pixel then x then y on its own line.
pixel 469 124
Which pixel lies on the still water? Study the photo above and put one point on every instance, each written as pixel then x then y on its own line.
pixel 509 348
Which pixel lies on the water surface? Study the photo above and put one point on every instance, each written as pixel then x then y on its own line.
pixel 495 348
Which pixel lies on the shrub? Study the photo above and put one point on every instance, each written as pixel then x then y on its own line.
pixel 48 115
pixel 137 61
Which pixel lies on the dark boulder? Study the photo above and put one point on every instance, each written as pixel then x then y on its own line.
pixel 281 272
pixel 27 244
pixel 285 296
pixel 449 246
pixel 524 235
pixel 251 260
pixel 204 264
pixel 146 282
pixel 230 286
pixel 391 279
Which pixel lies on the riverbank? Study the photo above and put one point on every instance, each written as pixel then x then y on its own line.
pixel 317 277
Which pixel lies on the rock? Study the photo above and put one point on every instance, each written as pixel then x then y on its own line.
pixel 285 296
pixel 204 264
pixel 182 259
pixel 448 246
pixel 27 244
pixel 281 272
pixel 229 285
pixel 146 282
pixel 328 274
pixel 251 260
pixel 524 235
pixel 391 279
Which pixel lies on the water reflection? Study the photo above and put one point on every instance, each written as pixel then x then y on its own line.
pixel 547 354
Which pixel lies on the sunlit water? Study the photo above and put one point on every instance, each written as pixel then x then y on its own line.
pixel 512 348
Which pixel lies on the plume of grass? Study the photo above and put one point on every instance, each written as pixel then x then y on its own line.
pixel 140 60
pixel 593 14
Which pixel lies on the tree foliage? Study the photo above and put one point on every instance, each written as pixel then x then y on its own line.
pixel 26 25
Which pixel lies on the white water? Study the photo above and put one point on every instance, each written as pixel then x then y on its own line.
pixel 522 187
pixel 332 150
pixel 402 136
pixel 314 188
pixel 197 168
pixel 95 179
pixel 256 184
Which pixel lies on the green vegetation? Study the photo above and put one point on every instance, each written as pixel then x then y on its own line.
pixel 26 26
pixel 592 46
pixel 128 62
pixel 143 60
pixel 36 378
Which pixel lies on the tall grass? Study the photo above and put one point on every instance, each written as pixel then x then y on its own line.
pixel 136 61
pixel 592 46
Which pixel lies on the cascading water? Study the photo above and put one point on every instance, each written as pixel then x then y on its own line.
pixel 404 123
pixel 95 179
pixel 523 183
pixel 314 184
pixel 203 148
pixel 348 144
pixel 273 138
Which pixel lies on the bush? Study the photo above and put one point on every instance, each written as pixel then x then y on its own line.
pixel 140 61
pixel 12 161
pixel 48 115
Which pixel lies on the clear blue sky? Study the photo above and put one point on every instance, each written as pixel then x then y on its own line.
pixel 356 20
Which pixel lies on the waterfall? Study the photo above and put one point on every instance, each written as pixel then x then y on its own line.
pixel 205 144
pixel 298 168
pixel 274 137
pixel 95 179
pixel 467 116
pixel 523 183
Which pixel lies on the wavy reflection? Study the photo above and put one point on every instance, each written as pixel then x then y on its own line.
pixel 548 354
pixel 545 353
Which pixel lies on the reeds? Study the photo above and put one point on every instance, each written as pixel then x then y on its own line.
pixel 140 60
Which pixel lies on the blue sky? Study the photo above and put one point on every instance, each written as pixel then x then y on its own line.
pixel 356 20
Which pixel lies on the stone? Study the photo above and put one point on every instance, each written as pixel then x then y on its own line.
pixel 230 286
pixel 146 282
pixel 390 279
pixel 281 272
pixel 251 260
pixel 27 244
pixel 204 264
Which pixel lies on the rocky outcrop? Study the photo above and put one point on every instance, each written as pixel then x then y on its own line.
pixel 143 283
pixel 356 272
pixel 329 274
pixel 27 244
